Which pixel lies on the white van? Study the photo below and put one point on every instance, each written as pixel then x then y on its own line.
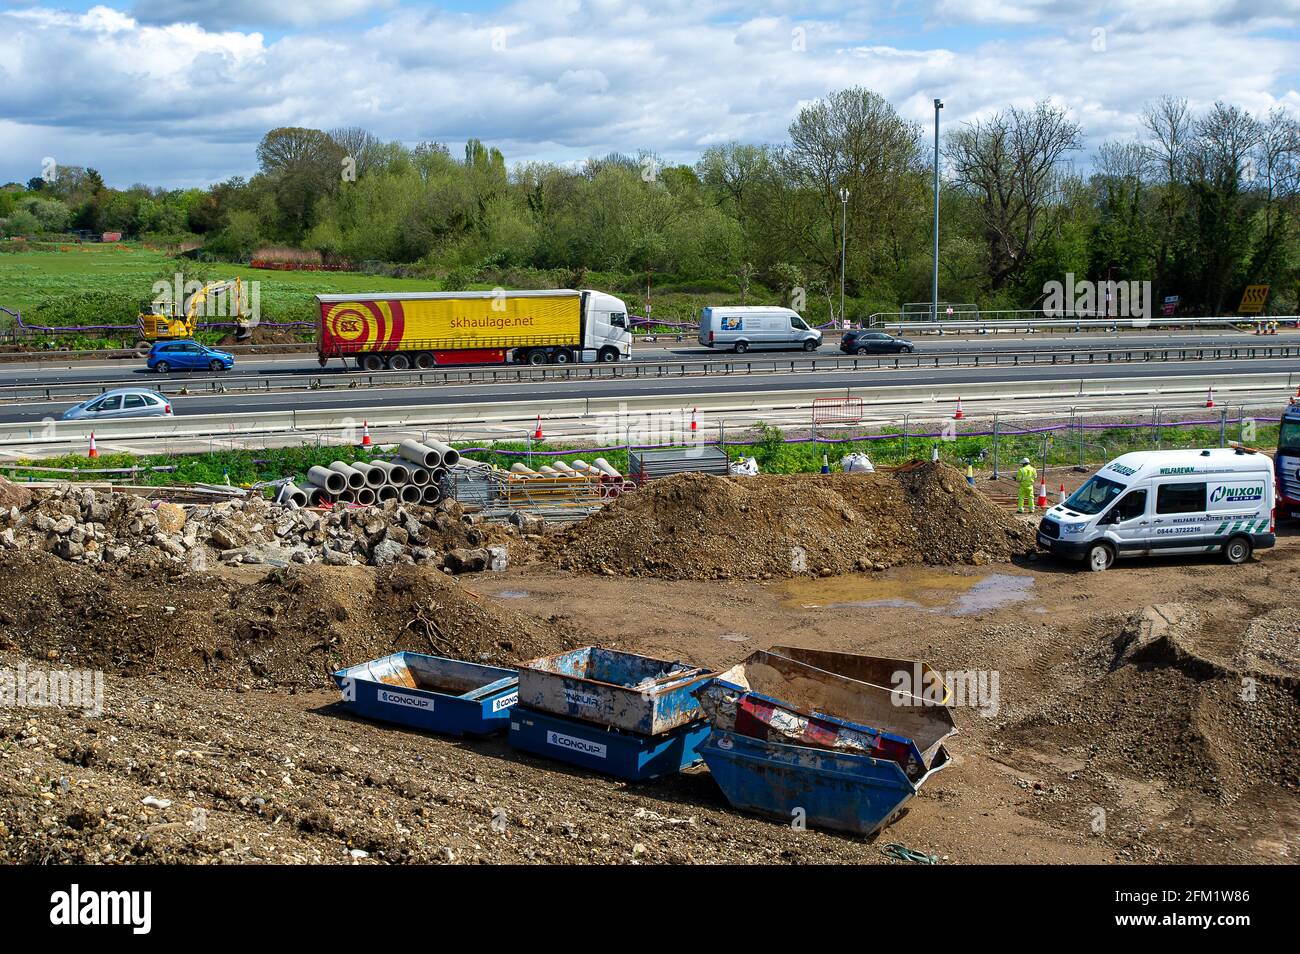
pixel 1154 502
pixel 741 327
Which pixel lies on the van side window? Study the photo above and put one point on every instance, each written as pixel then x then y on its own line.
pixel 1133 505
pixel 1180 498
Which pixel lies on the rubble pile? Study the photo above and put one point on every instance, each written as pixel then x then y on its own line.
pixel 699 526
pixel 83 525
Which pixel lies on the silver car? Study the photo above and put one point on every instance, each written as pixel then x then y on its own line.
pixel 120 402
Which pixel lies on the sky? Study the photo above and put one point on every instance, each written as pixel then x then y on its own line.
pixel 177 93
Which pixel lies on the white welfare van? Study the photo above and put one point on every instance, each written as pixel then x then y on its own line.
pixel 742 327
pixel 1154 502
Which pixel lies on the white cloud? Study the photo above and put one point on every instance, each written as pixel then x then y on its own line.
pixel 179 103
pixel 221 14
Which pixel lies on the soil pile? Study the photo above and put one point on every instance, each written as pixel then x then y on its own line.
pixel 288 627
pixel 13 495
pixel 698 526
pixel 87 526
pixel 1174 697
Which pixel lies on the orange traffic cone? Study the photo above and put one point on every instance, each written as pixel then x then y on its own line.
pixel 1062 493
pixel 695 426
pixel 1209 397
pixel 93 452
pixel 1042 493
pixel 959 415
pixel 537 434
pixel 365 434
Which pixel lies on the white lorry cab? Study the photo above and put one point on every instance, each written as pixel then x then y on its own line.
pixel 742 327
pixel 1155 502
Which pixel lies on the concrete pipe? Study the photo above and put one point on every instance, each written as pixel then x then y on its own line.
pixel 418 453
pixel 581 466
pixel 450 456
pixel 316 496
pixel 526 471
pixel 365 495
pixel 418 476
pixel 356 480
pixel 395 474
pixel 563 468
pixel 291 496
pixel 430 494
pixel 411 494
pixel 375 477
pixel 548 471
pixel 331 480
pixel 436 476
pixel 386 492
pixel 346 496
pixel 603 466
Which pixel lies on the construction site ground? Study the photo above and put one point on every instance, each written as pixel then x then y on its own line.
pixel 1122 731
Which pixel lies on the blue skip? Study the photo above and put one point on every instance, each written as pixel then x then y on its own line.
pixel 627 755
pixel 851 793
pixel 431 693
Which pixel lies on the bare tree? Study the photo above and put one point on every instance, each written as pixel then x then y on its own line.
pixel 360 145
pixel 1011 163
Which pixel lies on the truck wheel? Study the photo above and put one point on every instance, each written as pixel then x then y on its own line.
pixel 399 362
pixel 371 362
pixel 1100 557
pixel 424 361
pixel 1237 550
pixel 537 358
pixel 562 357
pixel 608 355
pixel 740 347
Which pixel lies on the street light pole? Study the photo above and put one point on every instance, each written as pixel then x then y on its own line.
pixel 844 239
pixel 934 274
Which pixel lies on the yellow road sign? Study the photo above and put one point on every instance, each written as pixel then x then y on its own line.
pixel 1252 299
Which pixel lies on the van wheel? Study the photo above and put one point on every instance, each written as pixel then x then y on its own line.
pixel 372 362
pixel 810 345
pixel 1100 557
pixel 740 347
pixel 537 358
pixel 1237 550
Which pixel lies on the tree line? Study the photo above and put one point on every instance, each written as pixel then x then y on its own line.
pixel 1200 204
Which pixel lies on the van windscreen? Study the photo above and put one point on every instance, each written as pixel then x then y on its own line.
pixel 1095 496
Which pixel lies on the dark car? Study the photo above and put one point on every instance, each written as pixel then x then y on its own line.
pixel 187 356
pixel 874 342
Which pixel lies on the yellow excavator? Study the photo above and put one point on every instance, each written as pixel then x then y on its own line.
pixel 166 320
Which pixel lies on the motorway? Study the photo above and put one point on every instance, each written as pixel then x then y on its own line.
pixel 127 371
pixel 950 380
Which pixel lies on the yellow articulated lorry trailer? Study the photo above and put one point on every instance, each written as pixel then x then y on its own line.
pixel 422 330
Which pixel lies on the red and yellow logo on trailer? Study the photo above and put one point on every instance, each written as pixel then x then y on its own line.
pixel 374 325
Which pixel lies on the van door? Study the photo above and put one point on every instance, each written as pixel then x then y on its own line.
pixel 1178 524
pixel 1128 524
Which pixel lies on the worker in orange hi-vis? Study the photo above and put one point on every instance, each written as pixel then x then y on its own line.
pixel 1025 477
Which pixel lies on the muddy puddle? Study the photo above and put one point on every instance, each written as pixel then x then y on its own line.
pixel 924 590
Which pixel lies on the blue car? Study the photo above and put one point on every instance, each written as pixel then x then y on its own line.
pixel 167 356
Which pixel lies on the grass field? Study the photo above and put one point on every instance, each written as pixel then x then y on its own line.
pixel 93 284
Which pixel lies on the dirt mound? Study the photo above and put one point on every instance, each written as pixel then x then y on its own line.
pixel 13 495
pixel 289 626
pixel 698 526
pixel 1160 700
pixel 265 335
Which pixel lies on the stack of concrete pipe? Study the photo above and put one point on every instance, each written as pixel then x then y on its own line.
pixel 413 476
